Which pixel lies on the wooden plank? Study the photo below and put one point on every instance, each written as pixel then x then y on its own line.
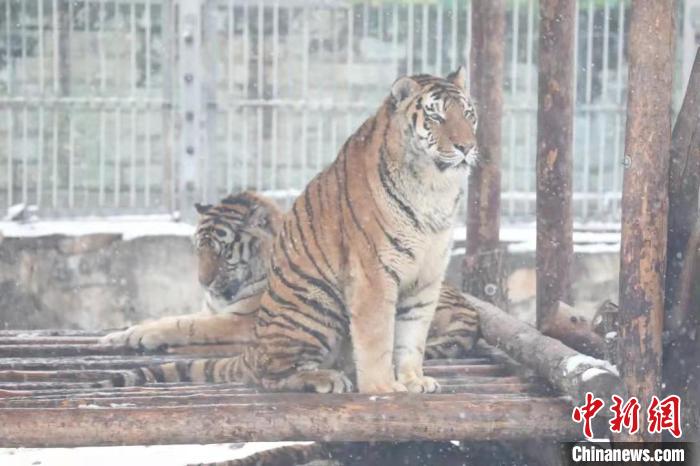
pixel 62 350
pixel 400 417
pixel 645 198
pixel 555 249
pixel 483 263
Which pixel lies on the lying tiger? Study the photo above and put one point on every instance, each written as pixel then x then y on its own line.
pixel 355 268
pixel 233 240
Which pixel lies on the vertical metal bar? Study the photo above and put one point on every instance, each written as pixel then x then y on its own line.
pixel 394 39
pixel 117 154
pixel 409 42
pixel 10 151
pixel 513 116
pixel 350 58
pixel 25 154
pixel 467 58
pixel 168 195
pixel 260 94
pixel 103 82
pixel 40 26
pixel 56 42
pixel 147 163
pixel 275 88
pixel 40 156
pixel 603 115
pixel 229 150
pixel 8 41
pixel 230 13
pixel 289 137
pixel 455 33
pixel 305 93
pixel 617 178
pixel 148 25
pixel 531 101
pixel 132 148
pixel 319 141
pixel 23 42
pixel 132 162
pixel 587 129
pixel 246 81
pixel 424 39
pixel 102 144
pixel 71 159
pixel 439 40
pixel 54 159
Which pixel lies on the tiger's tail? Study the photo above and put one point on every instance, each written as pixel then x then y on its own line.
pixel 239 368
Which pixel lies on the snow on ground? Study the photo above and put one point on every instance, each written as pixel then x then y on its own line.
pixel 129 226
pixel 592 238
pixel 157 455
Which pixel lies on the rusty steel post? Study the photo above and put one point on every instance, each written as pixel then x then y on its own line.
pixel 554 156
pixel 483 264
pixel 645 198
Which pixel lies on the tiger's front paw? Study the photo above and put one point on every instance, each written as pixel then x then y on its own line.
pixel 140 336
pixel 419 383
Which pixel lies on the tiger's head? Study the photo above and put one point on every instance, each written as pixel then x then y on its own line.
pixel 233 241
pixel 438 118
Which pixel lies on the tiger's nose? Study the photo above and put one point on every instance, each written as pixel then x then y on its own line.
pixel 207 267
pixel 463 149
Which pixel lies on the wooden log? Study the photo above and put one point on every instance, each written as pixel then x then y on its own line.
pixel 555 116
pixel 401 417
pixel 574 330
pixel 681 319
pixel 483 271
pixel 684 182
pixel 565 368
pixel 645 198
pixel 30 350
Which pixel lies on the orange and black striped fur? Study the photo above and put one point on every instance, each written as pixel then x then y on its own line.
pixel 357 266
pixel 233 241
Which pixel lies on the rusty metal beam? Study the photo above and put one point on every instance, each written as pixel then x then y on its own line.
pixel 555 249
pixel 483 263
pixel 645 197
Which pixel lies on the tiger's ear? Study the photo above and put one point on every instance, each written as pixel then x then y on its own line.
pixel 202 208
pixel 459 78
pixel 403 88
pixel 260 217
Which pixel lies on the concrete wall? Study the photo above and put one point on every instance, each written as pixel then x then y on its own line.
pixel 95 281
pixel 104 281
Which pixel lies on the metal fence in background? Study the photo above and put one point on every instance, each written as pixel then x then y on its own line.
pixel 138 106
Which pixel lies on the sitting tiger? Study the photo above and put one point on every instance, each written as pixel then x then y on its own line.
pixel 233 240
pixel 356 265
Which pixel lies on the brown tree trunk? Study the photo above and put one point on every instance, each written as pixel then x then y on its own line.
pixel 483 264
pixel 680 368
pixel 554 156
pixel 645 198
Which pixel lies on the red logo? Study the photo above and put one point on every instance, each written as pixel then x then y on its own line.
pixel 587 412
pixel 665 415
pixel 661 415
pixel 626 415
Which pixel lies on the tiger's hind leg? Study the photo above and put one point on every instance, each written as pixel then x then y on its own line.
pixel 454 330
